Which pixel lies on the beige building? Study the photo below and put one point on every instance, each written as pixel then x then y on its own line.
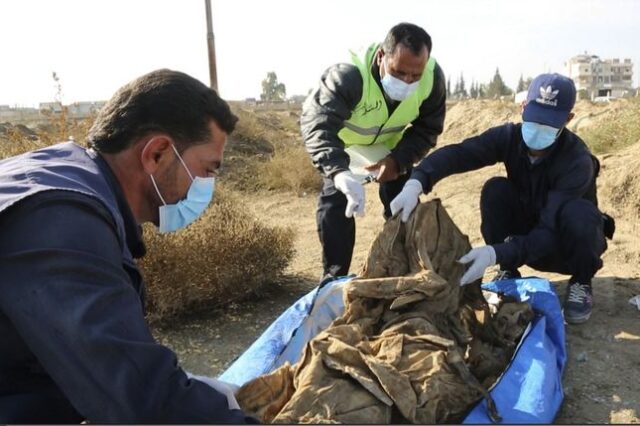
pixel 612 78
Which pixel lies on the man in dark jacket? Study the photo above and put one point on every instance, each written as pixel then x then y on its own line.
pixel 75 344
pixel 544 213
pixel 388 106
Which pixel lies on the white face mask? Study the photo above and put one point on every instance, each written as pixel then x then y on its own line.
pixel 395 88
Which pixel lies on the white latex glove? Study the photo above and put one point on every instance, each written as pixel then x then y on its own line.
pixel 346 183
pixel 407 199
pixel 482 258
pixel 227 389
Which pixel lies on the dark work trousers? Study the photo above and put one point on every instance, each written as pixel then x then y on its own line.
pixel 338 232
pixel 580 240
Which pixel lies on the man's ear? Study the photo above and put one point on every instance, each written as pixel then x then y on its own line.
pixel 157 150
pixel 379 56
pixel 570 116
pixel 522 105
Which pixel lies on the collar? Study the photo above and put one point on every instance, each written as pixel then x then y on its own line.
pixel 133 230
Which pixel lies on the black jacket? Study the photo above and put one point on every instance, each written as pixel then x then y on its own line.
pixel 331 104
pixel 568 171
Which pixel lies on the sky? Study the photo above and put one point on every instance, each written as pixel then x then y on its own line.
pixel 95 47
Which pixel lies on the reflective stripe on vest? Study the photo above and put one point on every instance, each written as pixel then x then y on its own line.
pixel 370 122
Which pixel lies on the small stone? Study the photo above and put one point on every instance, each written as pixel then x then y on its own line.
pixel 582 357
pixel 568 392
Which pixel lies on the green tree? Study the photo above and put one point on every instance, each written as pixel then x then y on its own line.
pixel 272 90
pixel 523 84
pixel 460 91
pixel 497 87
pixel 463 89
pixel 473 90
pixel 482 91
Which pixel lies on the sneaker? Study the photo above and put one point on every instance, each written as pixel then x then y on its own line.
pixel 506 275
pixel 578 303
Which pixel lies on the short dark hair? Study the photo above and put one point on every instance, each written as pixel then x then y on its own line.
pixel 160 101
pixel 409 35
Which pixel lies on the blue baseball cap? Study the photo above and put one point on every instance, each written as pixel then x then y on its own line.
pixel 550 99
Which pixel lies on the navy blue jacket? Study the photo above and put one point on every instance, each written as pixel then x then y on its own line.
pixel 74 343
pixel 566 172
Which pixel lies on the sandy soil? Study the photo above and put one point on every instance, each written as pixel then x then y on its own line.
pixel 602 378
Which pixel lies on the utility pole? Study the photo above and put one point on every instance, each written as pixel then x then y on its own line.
pixel 211 47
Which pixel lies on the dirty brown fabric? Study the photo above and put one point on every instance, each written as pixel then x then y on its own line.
pixel 411 346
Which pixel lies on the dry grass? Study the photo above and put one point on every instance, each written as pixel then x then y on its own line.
pixel 289 169
pixel 266 152
pixel 17 139
pixel 614 129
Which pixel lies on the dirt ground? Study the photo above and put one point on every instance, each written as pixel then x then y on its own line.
pixel 602 377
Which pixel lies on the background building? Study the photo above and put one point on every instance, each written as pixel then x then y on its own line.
pixel 595 77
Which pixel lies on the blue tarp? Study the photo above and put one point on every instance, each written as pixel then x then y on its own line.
pixel 530 390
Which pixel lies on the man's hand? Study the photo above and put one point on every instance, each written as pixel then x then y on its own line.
pixel 387 169
pixel 227 389
pixel 482 258
pixel 407 199
pixel 346 183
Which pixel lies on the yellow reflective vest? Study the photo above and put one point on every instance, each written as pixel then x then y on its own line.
pixel 370 122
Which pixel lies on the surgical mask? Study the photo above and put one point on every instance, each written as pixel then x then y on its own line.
pixel 395 88
pixel 178 216
pixel 538 136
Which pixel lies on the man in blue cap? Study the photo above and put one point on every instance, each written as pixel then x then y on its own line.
pixel 544 214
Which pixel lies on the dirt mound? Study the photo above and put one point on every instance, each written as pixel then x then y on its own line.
pixel 619 184
pixel 10 131
pixel 468 118
pixel 589 114
pixel 592 121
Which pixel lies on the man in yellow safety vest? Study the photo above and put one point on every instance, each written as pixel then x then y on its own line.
pixel 369 120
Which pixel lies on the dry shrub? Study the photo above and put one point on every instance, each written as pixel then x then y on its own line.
pixel 290 169
pixel 59 130
pixel 17 139
pixel 266 152
pixel 224 256
pixel 259 132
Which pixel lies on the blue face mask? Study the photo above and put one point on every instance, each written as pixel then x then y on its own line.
pixel 538 136
pixel 178 216
pixel 395 88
